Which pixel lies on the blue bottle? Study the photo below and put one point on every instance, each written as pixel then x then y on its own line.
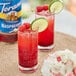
pixel 10 19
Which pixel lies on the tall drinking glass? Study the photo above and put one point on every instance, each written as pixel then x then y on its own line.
pixel 46 37
pixel 28 50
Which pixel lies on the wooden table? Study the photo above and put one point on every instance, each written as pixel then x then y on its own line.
pixel 9 55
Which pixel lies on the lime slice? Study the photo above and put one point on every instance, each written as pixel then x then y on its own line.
pixel 39 24
pixel 56 6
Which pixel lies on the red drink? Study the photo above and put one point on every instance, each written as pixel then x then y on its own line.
pixel 46 37
pixel 28 50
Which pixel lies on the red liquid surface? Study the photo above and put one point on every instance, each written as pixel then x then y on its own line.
pixel 46 37
pixel 28 49
pixel 8 38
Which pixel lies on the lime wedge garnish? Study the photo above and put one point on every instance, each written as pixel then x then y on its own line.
pixel 56 6
pixel 39 24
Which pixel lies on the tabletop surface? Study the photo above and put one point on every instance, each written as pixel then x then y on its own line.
pixel 9 55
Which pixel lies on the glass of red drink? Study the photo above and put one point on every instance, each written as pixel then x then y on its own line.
pixel 46 37
pixel 28 50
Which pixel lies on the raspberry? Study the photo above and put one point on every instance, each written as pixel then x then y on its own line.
pixel 39 8
pixel 59 59
pixel 22 28
pixel 27 25
pixel 45 7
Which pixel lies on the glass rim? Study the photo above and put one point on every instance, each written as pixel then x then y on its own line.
pixel 27 32
pixel 51 14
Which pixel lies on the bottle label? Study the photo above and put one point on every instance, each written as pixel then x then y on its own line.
pixel 10 15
